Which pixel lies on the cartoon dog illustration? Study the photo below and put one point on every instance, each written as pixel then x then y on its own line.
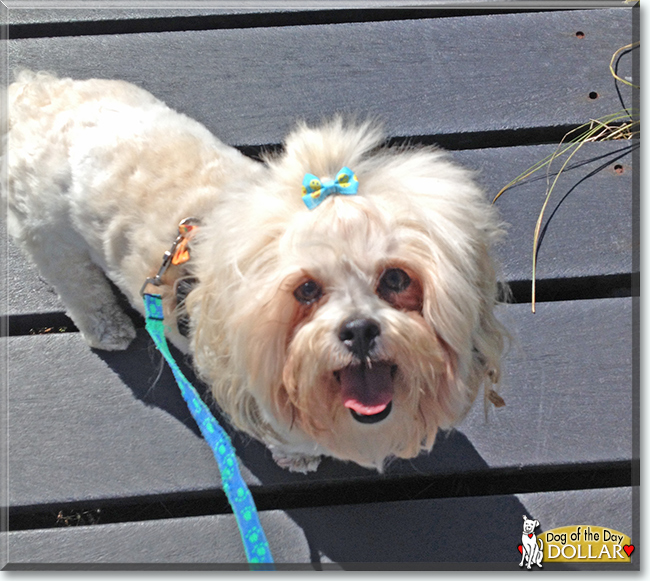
pixel 529 544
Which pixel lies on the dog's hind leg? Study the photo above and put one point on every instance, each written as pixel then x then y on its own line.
pixel 539 553
pixel 63 259
pixel 523 555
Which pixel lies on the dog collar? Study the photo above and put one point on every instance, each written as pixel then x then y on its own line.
pixel 314 190
pixel 179 252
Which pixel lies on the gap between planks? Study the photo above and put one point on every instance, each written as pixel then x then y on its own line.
pixel 491 482
pixel 269 19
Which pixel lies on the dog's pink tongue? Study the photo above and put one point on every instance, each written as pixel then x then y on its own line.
pixel 367 390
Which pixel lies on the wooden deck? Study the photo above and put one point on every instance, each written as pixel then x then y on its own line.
pixel 105 466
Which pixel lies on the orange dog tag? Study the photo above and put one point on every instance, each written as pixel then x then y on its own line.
pixel 182 252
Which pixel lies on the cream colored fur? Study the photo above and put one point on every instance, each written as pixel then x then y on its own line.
pixel 100 173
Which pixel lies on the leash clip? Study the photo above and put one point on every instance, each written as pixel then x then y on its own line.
pixel 177 254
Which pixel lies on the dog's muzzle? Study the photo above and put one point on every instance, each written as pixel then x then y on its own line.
pixel 367 386
pixel 367 390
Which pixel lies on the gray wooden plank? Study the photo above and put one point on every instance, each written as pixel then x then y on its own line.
pixel 42 14
pixel 430 76
pixel 589 219
pixel 213 539
pixel 88 424
pixel 426 532
pixel 95 429
pixel 568 387
pixel 25 291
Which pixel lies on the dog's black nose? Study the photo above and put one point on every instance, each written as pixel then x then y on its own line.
pixel 359 335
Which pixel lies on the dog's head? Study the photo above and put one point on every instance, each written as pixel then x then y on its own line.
pixel 366 322
pixel 530 525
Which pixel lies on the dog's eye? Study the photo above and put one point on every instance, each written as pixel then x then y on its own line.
pixel 308 292
pixel 394 280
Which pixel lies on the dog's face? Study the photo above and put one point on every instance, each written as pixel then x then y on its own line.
pixel 365 323
pixel 363 370
pixel 530 525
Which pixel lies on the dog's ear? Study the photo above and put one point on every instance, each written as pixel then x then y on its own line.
pixel 536 523
pixel 525 517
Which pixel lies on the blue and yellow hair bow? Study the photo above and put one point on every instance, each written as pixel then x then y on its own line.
pixel 315 191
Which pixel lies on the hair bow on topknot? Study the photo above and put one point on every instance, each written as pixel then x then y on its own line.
pixel 315 191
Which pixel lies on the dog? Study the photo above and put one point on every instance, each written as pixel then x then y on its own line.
pixel 530 549
pixel 352 326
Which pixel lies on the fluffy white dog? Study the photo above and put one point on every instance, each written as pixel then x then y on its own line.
pixel 355 329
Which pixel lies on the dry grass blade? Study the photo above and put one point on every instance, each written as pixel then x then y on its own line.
pixel 599 130
pixel 612 129
pixel 606 129
pixel 615 55
pixel 621 125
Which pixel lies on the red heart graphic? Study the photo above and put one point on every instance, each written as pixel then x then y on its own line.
pixel 629 549
pixel 521 548
pixel 530 536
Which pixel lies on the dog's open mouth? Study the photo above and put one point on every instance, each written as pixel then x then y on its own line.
pixel 367 390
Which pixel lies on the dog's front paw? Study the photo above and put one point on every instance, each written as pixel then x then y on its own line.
pixel 296 462
pixel 108 328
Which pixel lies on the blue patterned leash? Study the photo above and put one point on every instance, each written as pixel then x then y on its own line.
pixel 239 497
pixel 314 191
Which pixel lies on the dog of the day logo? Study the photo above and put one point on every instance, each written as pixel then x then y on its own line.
pixel 573 544
pixel 531 548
